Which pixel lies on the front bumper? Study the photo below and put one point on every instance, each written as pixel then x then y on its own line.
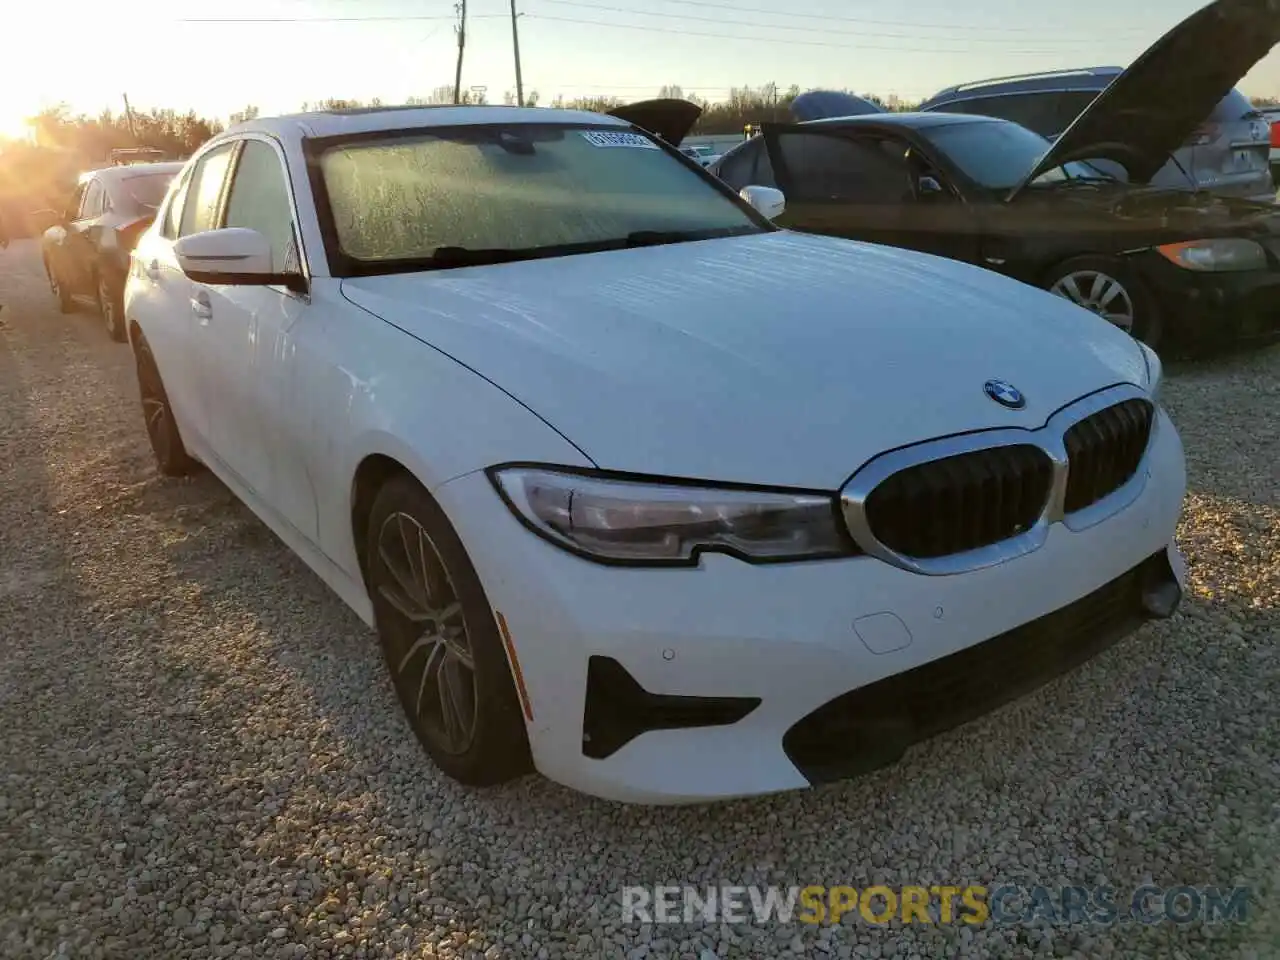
pixel 1204 312
pixel 773 645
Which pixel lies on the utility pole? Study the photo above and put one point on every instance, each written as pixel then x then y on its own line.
pixel 128 113
pixel 462 42
pixel 515 44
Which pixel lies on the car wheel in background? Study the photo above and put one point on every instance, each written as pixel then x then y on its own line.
pixel 440 640
pixel 1108 288
pixel 58 289
pixel 111 306
pixel 162 429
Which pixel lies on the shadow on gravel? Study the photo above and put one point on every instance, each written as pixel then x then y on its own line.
pixel 202 750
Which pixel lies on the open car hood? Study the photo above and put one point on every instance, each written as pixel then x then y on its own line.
pixel 1150 110
pixel 669 118
pixel 827 104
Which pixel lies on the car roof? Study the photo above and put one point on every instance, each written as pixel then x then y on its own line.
pixel 118 174
pixel 1082 78
pixel 357 120
pixel 915 121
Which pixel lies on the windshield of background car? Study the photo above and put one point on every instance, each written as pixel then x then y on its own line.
pixel 149 190
pixel 513 187
pixel 998 155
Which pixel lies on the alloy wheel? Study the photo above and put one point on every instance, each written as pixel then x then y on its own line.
pixel 1100 293
pixel 155 403
pixel 107 304
pixel 429 649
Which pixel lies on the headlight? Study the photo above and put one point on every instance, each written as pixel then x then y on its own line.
pixel 613 520
pixel 1155 371
pixel 1216 256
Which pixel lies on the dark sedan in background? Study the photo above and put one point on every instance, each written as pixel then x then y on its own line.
pixel 1079 216
pixel 86 250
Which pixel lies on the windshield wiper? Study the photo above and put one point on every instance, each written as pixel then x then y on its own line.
pixel 477 257
pixel 1074 181
pixel 653 238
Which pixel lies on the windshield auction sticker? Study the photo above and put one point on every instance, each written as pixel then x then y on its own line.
pixel 607 138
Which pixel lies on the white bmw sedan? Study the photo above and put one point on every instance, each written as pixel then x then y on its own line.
pixel 636 489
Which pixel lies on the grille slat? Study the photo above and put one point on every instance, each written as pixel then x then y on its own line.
pixel 960 503
pixel 1105 450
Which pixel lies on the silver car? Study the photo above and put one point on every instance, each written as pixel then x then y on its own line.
pixel 1228 154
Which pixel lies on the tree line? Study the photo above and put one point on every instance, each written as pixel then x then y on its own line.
pixel 40 173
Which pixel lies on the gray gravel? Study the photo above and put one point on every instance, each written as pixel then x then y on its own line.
pixel 200 756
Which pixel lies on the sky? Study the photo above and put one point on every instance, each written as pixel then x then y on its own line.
pixel 217 57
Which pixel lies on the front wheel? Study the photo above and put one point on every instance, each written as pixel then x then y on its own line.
pixel 440 640
pixel 111 306
pixel 1108 288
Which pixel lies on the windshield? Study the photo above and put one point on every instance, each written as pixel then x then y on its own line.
pixel 149 190
pixel 999 155
pixel 517 187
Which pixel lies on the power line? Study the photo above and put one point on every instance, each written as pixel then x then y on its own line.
pixel 735 8
pixel 786 42
pixel 806 29
pixel 295 20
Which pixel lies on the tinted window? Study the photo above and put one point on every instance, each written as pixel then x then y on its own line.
pixel 200 208
pixel 738 168
pixel 1000 155
pixel 514 187
pixel 259 200
pixel 1048 114
pixel 91 206
pixel 829 167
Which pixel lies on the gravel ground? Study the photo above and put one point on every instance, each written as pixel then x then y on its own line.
pixel 201 756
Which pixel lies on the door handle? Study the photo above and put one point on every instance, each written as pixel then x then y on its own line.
pixel 201 306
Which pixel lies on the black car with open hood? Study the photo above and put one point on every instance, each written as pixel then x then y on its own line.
pixel 1079 216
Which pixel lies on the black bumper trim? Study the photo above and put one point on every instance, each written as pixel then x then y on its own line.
pixel 618 709
pixel 873 726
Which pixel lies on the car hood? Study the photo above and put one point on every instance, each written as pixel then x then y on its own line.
pixel 1150 110
pixel 669 118
pixel 828 104
pixel 779 358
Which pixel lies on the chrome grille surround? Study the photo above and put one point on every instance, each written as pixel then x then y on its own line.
pixel 1050 438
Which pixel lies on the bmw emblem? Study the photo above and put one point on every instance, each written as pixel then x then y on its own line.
pixel 1005 394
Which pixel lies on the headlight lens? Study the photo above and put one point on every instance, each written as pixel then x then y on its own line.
pixel 661 523
pixel 1228 254
pixel 1155 370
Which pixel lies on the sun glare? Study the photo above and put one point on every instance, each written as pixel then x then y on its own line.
pixel 13 119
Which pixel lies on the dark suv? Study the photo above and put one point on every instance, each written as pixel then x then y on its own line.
pixel 1227 154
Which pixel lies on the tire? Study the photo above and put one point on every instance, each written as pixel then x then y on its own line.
pixel 59 290
pixel 463 673
pixel 1101 285
pixel 111 306
pixel 171 456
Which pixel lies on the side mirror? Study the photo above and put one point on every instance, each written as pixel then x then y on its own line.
pixel 41 220
pixel 233 256
pixel 767 201
pixel 929 188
